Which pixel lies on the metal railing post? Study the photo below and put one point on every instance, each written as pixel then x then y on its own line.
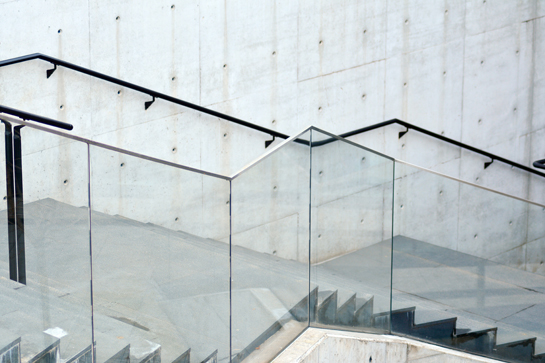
pixel 19 207
pixel 10 199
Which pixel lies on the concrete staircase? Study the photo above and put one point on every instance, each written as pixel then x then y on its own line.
pixel 187 320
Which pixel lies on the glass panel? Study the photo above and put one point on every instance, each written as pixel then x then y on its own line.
pixel 49 308
pixel 351 235
pixel 464 267
pixel 270 239
pixel 160 260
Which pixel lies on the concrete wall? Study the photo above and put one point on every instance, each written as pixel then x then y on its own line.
pixel 330 346
pixel 469 69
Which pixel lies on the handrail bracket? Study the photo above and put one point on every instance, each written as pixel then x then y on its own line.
pixel 147 104
pixel 488 163
pixel 401 133
pixel 49 72
pixel 269 142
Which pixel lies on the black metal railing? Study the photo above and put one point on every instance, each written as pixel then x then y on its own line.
pixel 14 188
pixel 153 94
pixel 274 134
pixel 409 126
pixel 32 117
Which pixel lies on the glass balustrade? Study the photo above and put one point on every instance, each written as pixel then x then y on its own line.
pixel 270 252
pixel 112 256
pixel 45 299
pixel 160 238
pixel 351 234
pixel 464 266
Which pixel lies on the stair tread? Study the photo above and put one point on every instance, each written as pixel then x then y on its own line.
pixel 426 316
pixel 361 301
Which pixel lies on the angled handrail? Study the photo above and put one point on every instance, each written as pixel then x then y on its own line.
pixel 409 126
pixel 154 94
pixel 40 119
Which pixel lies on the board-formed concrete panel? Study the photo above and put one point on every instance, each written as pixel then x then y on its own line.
pixel 63 33
pixel 342 101
pixel 124 45
pixel 492 111
pixel 334 37
pixel 484 16
pixel 416 25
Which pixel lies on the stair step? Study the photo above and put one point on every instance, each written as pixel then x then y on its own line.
pixel 326 307
pixel 364 312
pixel 345 313
pixel 522 350
pixel 540 358
pixel 403 322
pixel 51 354
pixel 212 358
pixel 123 356
pixel 11 353
pixel 184 358
pixel 300 310
pixel 85 356
pixel 22 310
pixel 482 341
pixel 153 357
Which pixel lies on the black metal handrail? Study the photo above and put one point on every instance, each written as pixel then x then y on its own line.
pixel 14 187
pixel 57 62
pixel 154 94
pixel 539 164
pixel 32 117
pixel 409 126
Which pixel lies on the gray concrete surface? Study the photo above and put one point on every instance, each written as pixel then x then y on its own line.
pixel 151 286
pixel 442 283
pixel 331 346
pixel 158 287
pixel 467 69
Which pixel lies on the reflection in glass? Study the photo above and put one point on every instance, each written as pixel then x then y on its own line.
pixel 464 259
pixel 160 260
pixel 270 236
pixel 351 235
pixel 46 311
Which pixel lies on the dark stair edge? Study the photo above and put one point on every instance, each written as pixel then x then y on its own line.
pixel 10 346
pixel 153 357
pixel 46 354
pixel 212 358
pixel 480 341
pixel 123 356
pixel 346 312
pixel 184 358
pixel 85 356
pixel 326 310
pixel 522 350
pixel 300 310
pixel 363 316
